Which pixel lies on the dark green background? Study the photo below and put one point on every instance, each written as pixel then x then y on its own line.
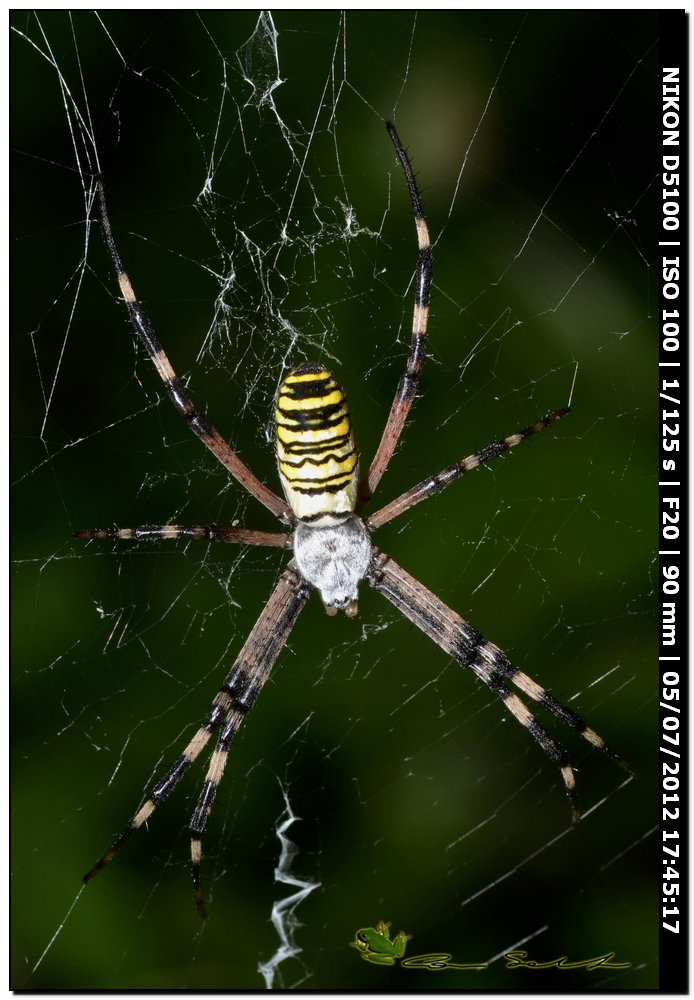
pixel 420 801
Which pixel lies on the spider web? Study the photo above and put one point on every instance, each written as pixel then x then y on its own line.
pixel 263 219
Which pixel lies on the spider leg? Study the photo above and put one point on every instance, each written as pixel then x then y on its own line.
pixel 166 784
pixel 469 648
pixel 203 807
pixel 409 380
pixel 434 484
pixel 178 394
pixel 211 532
pixel 237 695
pixel 247 678
pixel 497 660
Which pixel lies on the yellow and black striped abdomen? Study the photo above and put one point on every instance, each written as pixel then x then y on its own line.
pixel 318 463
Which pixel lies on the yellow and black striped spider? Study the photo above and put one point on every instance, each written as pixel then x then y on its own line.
pixel 331 541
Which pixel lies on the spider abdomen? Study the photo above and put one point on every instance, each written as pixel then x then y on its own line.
pixel 317 458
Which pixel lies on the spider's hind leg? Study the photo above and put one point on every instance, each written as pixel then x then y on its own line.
pixel 409 380
pixel 177 391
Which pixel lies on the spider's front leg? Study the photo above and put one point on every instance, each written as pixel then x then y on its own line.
pixel 247 679
pixel 237 696
pixel 466 645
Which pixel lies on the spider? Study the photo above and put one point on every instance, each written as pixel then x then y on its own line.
pixel 331 541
